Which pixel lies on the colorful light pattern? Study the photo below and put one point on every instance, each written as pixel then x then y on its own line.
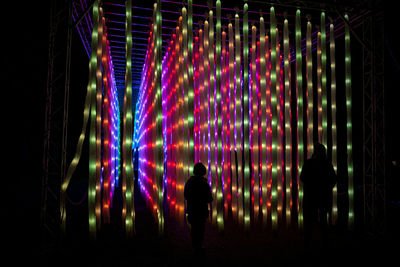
pixel 231 112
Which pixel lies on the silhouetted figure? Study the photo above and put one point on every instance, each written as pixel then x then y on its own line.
pixel 197 194
pixel 319 178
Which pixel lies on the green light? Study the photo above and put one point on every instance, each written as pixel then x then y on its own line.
pixel 300 126
pixel 246 105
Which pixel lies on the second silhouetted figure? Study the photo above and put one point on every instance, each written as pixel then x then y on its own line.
pixel 197 194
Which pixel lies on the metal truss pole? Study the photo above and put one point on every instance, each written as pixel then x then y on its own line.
pixel 374 157
pixel 54 128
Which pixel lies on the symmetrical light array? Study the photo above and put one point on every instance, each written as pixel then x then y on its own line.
pixel 234 114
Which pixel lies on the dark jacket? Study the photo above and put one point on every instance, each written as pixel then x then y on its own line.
pixel 198 194
pixel 319 178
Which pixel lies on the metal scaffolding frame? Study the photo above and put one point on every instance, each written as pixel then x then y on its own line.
pixel 56 116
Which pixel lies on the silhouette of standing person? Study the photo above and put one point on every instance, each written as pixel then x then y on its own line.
pixel 319 178
pixel 197 193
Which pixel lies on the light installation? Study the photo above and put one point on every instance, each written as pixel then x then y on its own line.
pixel 199 101
pixel 101 111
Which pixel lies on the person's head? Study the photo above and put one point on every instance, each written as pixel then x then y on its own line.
pixel 199 169
pixel 319 151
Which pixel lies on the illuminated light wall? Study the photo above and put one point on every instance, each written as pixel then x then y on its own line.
pixel 101 105
pixel 190 89
pixel 233 111
pixel 110 130
pixel 349 125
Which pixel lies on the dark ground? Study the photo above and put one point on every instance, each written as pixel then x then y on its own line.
pixel 233 248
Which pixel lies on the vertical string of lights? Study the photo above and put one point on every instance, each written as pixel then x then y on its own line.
pixel 225 118
pixel 99 85
pixel 319 87
pixel 185 95
pixel 349 125
pixel 287 123
pixel 92 139
pixel 254 123
pixel 206 102
pixel 268 190
pixel 202 98
pixel 333 107
pixel 238 122
pixel 196 107
pixel 127 180
pixel 279 117
pixel 218 108
pixel 300 127
pixel 310 92
pixel 190 113
pixel 232 167
pixel 274 124
pixel 180 126
pixel 323 83
pixel 106 128
pixel 191 98
pixel 158 111
pixel 263 122
pixel 212 115
pixel 246 110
